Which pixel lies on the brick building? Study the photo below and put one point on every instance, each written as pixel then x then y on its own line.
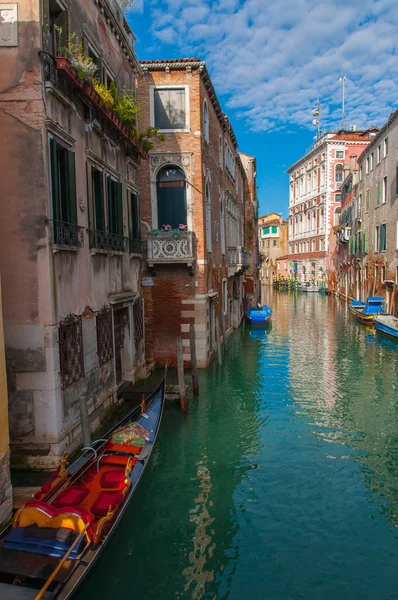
pixel 315 198
pixel 367 236
pixel 193 208
pixel 273 244
pixel 252 291
pixel 70 250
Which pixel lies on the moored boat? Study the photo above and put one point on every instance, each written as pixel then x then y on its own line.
pixel 259 316
pixel 56 537
pixel 387 324
pixel 373 306
pixel 308 287
pixel 356 305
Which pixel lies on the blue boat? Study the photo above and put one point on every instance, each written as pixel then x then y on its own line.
pixel 259 316
pixel 366 312
pixel 387 324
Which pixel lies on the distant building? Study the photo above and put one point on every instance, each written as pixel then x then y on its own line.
pixel 273 244
pixel 315 198
pixel 367 234
pixel 252 281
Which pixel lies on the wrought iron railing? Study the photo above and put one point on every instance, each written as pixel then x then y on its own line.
pixel 136 246
pixel 68 234
pixel 105 240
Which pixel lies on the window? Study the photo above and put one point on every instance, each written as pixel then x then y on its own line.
pixel 378 153
pixel 71 350
pixel 367 164
pixel 377 193
pixel 220 151
pixel 383 273
pixel 274 229
pixel 384 197
pixel 367 200
pixel 134 223
pixel 107 212
pixel 63 192
pixel 225 295
pixel 366 272
pixel 170 108
pixel 58 18
pixel 360 172
pixel 114 206
pixel 208 217
pixel 337 197
pixel 383 237
pixel 104 335
pixel 377 238
pixel 372 156
pixel 138 320
pixel 376 272
pixel 266 230
pixel 339 171
pixel 171 197
pixel 359 207
pixel 385 147
pixel 339 153
pixel 337 213
pixel 206 121
pixel 275 243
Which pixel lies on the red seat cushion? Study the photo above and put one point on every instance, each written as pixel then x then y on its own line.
pixel 113 480
pixel 72 496
pixel 104 501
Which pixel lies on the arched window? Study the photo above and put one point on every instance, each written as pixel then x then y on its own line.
pixel 171 197
pixel 208 216
pixel 220 151
pixel 206 121
pixel 338 173
pixel 337 216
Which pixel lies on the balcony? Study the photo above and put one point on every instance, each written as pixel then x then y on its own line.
pixel 68 234
pixel 171 248
pixel 108 242
pixel 238 259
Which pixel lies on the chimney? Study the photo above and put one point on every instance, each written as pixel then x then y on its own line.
pixel 353 162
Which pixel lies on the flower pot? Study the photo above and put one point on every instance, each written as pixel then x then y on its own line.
pixel 87 87
pixel 63 63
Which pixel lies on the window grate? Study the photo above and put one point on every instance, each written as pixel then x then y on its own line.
pixel 68 234
pixel 104 335
pixel 138 314
pixel 71 350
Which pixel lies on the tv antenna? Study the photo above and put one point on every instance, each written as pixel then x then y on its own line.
pixel 317 120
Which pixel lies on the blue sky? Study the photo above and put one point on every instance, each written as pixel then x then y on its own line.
pixel 270 60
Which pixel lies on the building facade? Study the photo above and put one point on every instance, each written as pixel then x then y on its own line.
pixel 252 291
pixel 5 478
pixel 273 244
pixel 367 249
pixel 70 249
pixel 193 209
pixel 315 198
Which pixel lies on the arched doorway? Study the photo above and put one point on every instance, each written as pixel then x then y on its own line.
pixel 171 197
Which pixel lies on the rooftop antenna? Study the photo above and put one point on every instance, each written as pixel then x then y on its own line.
pixel 343 79
pixel 317 121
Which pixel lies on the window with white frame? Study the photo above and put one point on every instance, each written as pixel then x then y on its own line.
pixel 378 155
pixel 384 196
pixel 385 147
pixel 206 121
pixel 339 153
pixel 339 173
pixel 367 165
pixel 377 238
pixel 170 108
pixel 372 157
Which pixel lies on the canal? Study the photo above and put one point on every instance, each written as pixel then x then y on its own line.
pixel 281 481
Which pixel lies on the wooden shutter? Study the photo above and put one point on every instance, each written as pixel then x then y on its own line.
pixel 97 179
pixel 377 193
pixel 109 203
pixel 161 104
pixel 54 179
pixel 118 208
pixel 135 231
pixel 382 238
pixel 71 195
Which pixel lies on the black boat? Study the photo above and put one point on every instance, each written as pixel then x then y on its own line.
pixel 56 537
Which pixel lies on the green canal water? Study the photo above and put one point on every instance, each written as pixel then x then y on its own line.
pixel 281 481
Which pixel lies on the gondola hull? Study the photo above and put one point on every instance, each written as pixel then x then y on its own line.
pixel 32 569
pixel 388 325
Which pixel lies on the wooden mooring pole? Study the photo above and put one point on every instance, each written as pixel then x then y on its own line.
pixel 181 382
pixel 224 333
pixel 194 368
pixel 218 342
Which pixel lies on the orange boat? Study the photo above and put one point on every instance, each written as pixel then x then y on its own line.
pixel 56 537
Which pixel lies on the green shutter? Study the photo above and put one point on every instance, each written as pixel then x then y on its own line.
pixel 266 230
pixel 135 232
pixel 97 180
pixel 118 209
pixel 274 229
pixel 382 238
pixel 54 179
pixel 71 209
pixel 365 242
pixel 377 193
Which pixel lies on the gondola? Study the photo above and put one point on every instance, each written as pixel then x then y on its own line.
pixel 56 537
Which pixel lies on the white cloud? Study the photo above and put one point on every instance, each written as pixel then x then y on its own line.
pixel 272 60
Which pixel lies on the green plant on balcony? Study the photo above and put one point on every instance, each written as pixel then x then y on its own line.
pixel 74 50
pixel 104 93
pixel 145 138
